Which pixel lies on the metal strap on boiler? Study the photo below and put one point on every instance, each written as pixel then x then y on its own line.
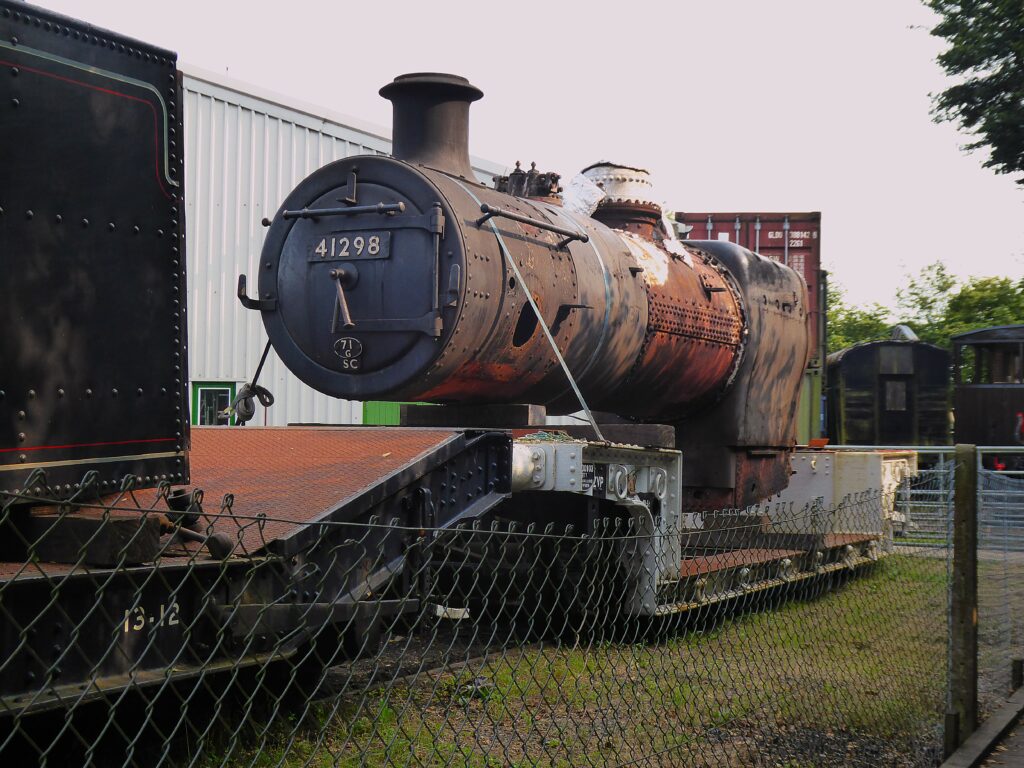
pixel 540 319
pixel 606 279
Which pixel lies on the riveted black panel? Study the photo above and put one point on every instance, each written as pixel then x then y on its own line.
pixel 92 298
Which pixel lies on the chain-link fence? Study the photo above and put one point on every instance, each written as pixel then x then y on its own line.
pixel 927 501
pixel 775 635
pixel 1000 576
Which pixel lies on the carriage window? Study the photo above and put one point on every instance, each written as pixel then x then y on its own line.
pixel 895 395
pixel 1006 365
pixel 963 366
pixel 991 364
pixel 982 366
pixel 896 360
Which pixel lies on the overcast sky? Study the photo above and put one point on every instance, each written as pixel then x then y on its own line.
pixel 788 105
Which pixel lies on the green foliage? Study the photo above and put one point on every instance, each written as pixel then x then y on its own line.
pixel 849 325
pixel 922 304
pixel 937 307
pixel 985 301
pixel 986 57
pixel 934 304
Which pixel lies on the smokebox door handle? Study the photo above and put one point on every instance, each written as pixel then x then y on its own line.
pixel 342 277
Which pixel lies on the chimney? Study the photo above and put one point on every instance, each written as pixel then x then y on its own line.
pixel 430 124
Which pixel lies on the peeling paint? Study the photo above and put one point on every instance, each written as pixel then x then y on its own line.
pixel 655 262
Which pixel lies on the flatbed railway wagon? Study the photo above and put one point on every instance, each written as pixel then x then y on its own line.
pixel 137 553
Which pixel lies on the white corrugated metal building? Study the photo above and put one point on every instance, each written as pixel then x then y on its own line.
pixel 244 152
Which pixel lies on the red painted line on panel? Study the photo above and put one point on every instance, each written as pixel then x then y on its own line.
pixel 152 109
pixel 89 445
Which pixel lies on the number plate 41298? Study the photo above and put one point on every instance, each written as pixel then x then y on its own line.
pixel 349 246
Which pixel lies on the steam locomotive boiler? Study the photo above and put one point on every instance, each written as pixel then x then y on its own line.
pixel 403 278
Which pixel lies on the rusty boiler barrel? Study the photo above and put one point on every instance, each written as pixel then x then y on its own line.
pixel 404 278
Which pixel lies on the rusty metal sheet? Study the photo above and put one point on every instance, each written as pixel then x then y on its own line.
pixel 35 570
pixel 697 566
pixel 290 475
pixel 295 474
pixel 833 540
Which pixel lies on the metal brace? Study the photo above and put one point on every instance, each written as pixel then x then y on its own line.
pixel 263 305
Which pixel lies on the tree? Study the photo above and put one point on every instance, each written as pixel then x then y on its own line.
pixel 937 307
pixel 984 301
pixel 923 302
pixel 933 304
pixel 849 325
pixel 986 56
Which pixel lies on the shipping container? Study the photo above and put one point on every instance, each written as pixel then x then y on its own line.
pixel 811 412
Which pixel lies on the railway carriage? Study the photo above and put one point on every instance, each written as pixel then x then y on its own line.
pixel 988 368
pixel 891 392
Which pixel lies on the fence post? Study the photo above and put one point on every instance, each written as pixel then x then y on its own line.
pixel 963 674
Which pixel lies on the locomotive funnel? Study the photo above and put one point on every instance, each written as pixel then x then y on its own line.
pixel 430 123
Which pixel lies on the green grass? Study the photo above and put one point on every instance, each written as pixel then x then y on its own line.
pixel 866 657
